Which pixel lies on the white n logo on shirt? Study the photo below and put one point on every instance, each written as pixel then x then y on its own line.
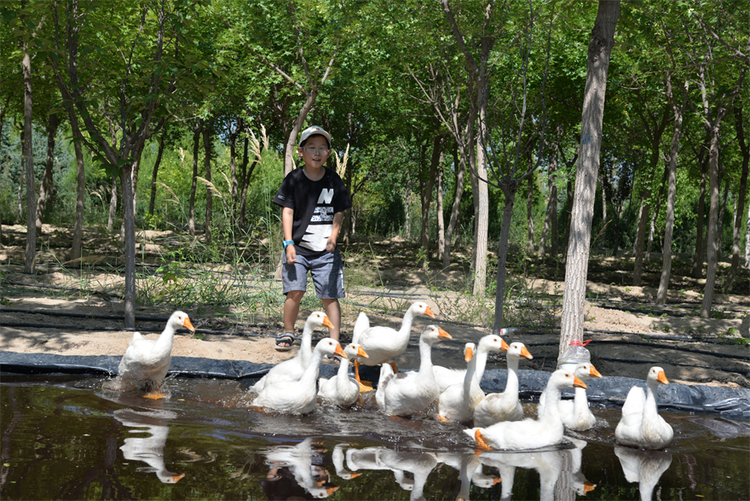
pixel 326 195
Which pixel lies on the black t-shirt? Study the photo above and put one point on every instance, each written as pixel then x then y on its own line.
pixel 314 204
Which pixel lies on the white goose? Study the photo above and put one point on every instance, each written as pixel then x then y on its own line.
pixel 341 389
pixel 458 401
pixel 298 397
pixel 503 406
pixel 641 425
pixel 386 371
pixel 298 459
pixel 292 369
pixel 146 362
pixel 488 344
pixel 644 467
pixel 407 393
pixel 530 433
pixel 384 343
pixel 575 413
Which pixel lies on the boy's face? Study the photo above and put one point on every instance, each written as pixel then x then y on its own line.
pixel 315 152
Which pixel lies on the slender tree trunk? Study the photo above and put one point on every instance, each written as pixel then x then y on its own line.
pixel 460 165
pixel 407 211
pixel 28 155
pixel 550 215
pixel 741 194
pixel 641 232
pixel 700 222
pixel 679 113
pixel 155 174
pixel 45 190
pixel 112 206
pixel 426 195
pixel 233 165
pixel 440 217
pixel 579 241
pixel 129 237
pixel 747 238
pixel 530 213
pixel 194 185
pixel 655 215
pixel 209 195
pixel 245 183
pixel 713 221
pixel 509 190
pixel 482 195
pixel 77 249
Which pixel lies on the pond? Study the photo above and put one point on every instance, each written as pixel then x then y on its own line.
pixel 64 437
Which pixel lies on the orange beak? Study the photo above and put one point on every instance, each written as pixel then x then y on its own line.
pixel 468 354
pixel 593 372
pixel 429 312
pixel 503 345
pixel 525 353
pixel 331 490
pixel 662 378
pixel 361 353
pixel 188 325
pixel 177 478
pixel 327 322
pixel 588 487
pixel 340 351
pixel 443 334
pixel 578 383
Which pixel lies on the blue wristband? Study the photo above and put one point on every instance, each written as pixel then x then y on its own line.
pixel 287 243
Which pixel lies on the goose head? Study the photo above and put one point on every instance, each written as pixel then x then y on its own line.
pixel 330 347
pixel 519 350
pixel 180 319
pixel 586 371
pixel 657 374
pixel 421 309
pixel 433 334
pixel 354 350
pixel 318 319
pixel 493 342
pixel 469 349
pixel 564 379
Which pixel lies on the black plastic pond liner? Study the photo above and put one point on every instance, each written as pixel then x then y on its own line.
pixel 728 402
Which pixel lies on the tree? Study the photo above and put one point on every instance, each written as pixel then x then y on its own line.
pixel 150 37
pixel 579 240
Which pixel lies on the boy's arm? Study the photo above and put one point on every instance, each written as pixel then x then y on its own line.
pixel 287 223
pixel 338 218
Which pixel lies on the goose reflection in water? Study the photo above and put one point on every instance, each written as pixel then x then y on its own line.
pixel 559 470
pixel 644 467
pixel 149 449
pixel 300 460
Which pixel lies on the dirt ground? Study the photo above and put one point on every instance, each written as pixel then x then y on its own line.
pixel 629 333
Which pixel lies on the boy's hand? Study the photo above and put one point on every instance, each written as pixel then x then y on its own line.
pixel 331 245
pixel 291 254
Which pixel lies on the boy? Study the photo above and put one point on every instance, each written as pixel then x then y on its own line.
pixel 313 200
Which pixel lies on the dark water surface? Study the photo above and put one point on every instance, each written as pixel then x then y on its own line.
pixel 67 438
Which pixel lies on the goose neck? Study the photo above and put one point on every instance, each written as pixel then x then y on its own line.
pixel 512 382
pixel 425 357
pixel 311 371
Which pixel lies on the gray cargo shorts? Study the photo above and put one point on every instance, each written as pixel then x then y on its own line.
pixel 327 272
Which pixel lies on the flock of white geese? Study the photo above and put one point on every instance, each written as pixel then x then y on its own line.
pixel 496 419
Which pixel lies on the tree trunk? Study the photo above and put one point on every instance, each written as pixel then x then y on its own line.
pixel 77 249
pixel 509 191
pixel 28 155
pixel 426 195
pixel 246 176
pixel 209 194
pixel 233 165
pixel 697 270
pixel 579 241
pixel 655 215
pixel 666 268
pixel 740 128
pixel 440 217
pixel 482 195
pixel 194 185
pixel 154 175
pixel 641 232
pixel 453 221
pixel 530 213
pixel 550 216
pixel 291 142
pixel 712 251
pixel 112 206
pixel 45 191
pixel 129 230
pixel 747 238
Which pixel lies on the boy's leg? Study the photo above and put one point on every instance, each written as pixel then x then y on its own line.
pixel 291 309
pixel 333 311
